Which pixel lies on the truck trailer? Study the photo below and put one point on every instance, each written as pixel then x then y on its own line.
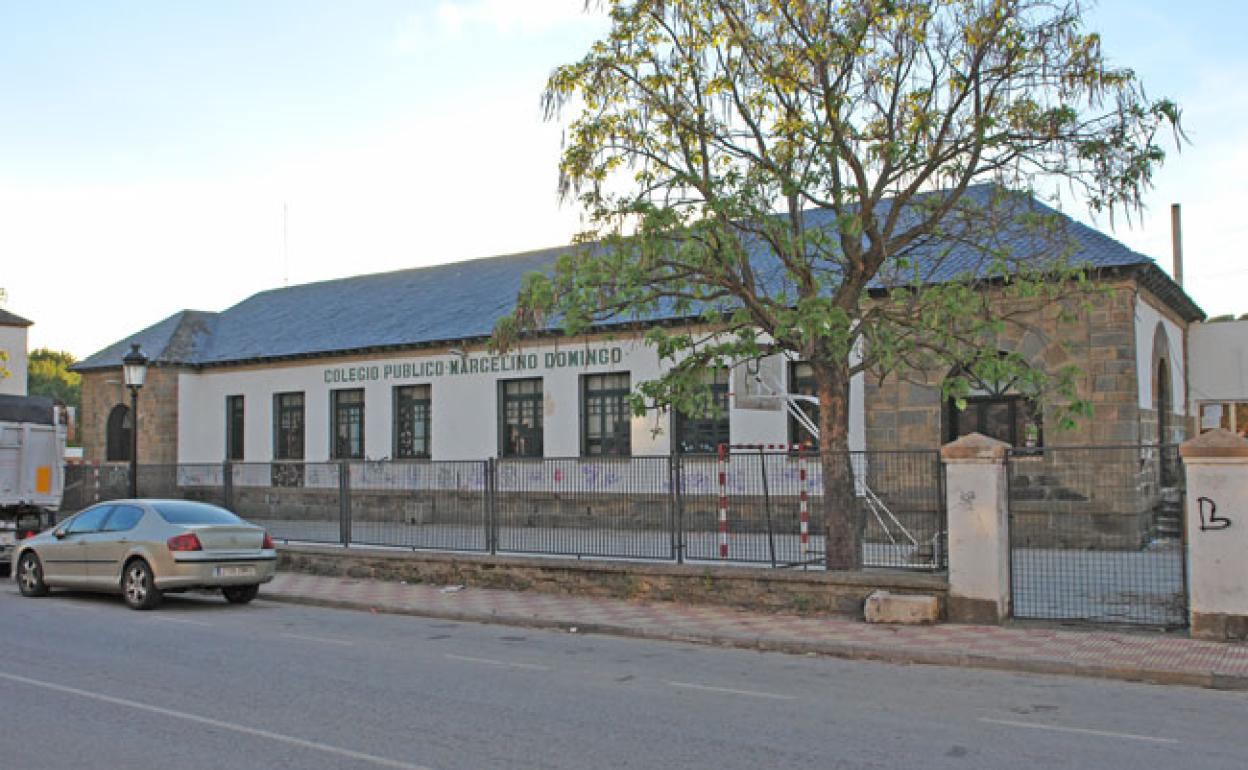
pixel 32 468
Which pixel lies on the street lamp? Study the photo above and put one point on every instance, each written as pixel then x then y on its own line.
pixel 134 368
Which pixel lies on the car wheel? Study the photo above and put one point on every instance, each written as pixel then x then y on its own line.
pixel 240 594
pixel 30 576
pixel 138 587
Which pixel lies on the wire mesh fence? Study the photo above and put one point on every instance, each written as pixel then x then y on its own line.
pixel 897 508
pixel 1096 534
pixel 601 507
pixel 419 505
pixel 650 508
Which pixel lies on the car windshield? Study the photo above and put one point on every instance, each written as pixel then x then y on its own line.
pixel 182 512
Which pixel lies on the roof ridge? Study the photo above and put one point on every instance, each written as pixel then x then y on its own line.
pixel 432 304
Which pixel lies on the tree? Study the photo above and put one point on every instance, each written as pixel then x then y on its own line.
pixel 808 177
pixel 47 374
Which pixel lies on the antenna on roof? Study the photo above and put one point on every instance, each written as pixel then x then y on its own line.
pixel 285 250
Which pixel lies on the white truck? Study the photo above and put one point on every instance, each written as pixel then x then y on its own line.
pixel 32 469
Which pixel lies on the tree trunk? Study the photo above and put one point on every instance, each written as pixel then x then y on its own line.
pixel 840 508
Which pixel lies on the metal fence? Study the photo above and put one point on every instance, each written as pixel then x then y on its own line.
pixel 1096 534
pixel 646 508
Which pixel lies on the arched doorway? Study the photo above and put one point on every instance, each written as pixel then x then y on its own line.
pixel 1163 385
pixel 1163 401
pixel 118 440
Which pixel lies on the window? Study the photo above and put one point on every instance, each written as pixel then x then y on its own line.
pixel 192 512
pixel 89 520
pixel 802 382
pixel 412 422
pixel 1012 419
pixel 606 427
pixel 994 407
pixel 123 519
pixel 520 418
pixel 118 438
pixel 703 433
pixel 234 427
pixel 347 408
pixel 1232 416
pixel 288 426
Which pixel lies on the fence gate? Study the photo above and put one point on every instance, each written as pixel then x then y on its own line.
pixel 1096 534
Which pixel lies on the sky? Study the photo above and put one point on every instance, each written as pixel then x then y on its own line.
pixel 158 156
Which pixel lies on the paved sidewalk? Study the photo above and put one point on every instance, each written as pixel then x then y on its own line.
pixel 1165 659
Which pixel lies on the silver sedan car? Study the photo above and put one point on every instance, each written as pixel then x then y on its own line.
pixel 145 548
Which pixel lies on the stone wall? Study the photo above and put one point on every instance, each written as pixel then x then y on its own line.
pixel 908 413
pixel 158 413
pixel 751 589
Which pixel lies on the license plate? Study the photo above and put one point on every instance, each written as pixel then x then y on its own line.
pixel 247 571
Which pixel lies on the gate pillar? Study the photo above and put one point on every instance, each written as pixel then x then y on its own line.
pixel 977 501
pixel 1216 516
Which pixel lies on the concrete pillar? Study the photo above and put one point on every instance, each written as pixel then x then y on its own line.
pixel 1216 464
pixel 977 501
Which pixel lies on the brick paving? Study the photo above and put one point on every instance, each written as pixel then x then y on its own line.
pixel 1137 656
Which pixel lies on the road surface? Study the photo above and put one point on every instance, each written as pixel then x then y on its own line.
pixel 201 684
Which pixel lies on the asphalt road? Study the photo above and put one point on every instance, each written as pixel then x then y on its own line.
pixel 86 682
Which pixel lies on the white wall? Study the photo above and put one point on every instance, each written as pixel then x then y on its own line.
pixel 1146 319
pixel 1217 538
pixel 465 405
pixel 1219 362
pixel 13 342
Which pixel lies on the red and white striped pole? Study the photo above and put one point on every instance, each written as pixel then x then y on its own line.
pixel 721 463
pixel 803 509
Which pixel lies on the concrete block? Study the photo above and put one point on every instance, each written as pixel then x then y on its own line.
pixel 905 609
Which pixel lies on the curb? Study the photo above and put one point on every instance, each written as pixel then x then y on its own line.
pixel 842 650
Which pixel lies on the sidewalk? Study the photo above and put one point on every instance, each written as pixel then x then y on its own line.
pixel 1163 659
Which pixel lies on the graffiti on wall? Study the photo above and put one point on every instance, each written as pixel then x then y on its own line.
pixel 1210 521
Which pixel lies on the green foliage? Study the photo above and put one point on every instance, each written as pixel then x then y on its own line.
pixel 821 178
pixel 47 373
pixel 704 129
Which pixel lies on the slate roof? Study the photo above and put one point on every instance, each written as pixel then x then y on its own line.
pixel 10 319
pixel 461 301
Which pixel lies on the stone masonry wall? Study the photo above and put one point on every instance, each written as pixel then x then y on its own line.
pixel 158 413
pixel 907 413
pixel 752 589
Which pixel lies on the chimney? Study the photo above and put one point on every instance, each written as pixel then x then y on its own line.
pixel 1176 235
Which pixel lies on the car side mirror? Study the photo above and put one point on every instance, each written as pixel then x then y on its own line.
pixel 59 534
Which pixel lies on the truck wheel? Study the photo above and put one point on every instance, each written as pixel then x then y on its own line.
pixel 30 576
pixel 138 586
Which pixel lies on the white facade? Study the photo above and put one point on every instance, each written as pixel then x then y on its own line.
pixel 464 395
pixel 1219 361
pixel 13 343
pixel 1147 320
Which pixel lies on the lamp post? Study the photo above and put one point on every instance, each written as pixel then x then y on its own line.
pixel 134 367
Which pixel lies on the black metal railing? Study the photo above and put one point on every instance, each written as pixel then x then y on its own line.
pixel 1096 533
pixel 648 508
